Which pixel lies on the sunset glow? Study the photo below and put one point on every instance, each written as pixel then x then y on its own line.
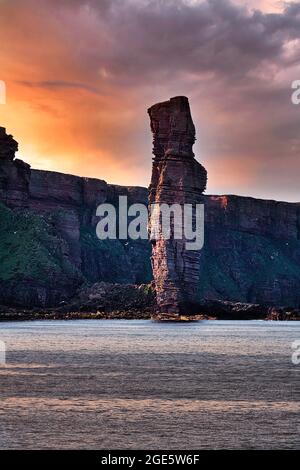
pixel 81 74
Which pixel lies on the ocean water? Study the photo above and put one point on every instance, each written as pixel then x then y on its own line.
pixel 107 384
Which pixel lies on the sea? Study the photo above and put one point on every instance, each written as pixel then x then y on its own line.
pixel 138 384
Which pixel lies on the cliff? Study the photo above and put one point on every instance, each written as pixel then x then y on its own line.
pixel 48 246
pixel 48 243
pixel 251 251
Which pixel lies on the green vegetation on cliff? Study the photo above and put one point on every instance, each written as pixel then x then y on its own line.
pixel 29 247
pixel 32 253
pixel 115 261
pixel 248 267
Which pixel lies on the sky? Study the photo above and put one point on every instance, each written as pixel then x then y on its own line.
pixel 80 75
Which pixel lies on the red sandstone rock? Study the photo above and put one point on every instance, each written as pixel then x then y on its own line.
pixel 176 178
pixel 8 146
pixel 14 174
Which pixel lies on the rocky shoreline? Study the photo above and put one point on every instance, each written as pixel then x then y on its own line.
pixel 131 302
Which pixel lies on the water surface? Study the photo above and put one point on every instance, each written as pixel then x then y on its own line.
pixel 138 384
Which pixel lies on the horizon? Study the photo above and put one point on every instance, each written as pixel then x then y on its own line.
pixel 90 119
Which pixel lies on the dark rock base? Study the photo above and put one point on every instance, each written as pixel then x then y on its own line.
pixel 118 301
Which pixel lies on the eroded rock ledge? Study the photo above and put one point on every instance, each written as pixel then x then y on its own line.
pixel 125 301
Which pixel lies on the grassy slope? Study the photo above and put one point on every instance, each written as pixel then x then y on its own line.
pixel 30 249
pixel 245 264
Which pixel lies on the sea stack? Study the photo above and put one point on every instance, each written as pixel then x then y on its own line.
pixel 177 178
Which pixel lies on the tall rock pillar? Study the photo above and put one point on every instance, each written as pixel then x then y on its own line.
pixel 177 178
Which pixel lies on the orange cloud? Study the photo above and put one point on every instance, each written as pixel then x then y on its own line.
pixel 80 75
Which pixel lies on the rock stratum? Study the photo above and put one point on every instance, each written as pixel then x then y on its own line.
pixel 49 249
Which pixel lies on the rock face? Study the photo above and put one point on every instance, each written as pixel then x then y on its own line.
pixel 176 178
pixel 14 174
pixel 251 251
pixel 8 146
pixel 48 243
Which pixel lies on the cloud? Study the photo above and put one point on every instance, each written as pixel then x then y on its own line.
pixel 86 71
pixel 57 84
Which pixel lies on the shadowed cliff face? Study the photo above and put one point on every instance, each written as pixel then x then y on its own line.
pixel 48 243
pixel 8 146
pixel 251 251
pixel 48 246
pixel 176 178
pixel 14 174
